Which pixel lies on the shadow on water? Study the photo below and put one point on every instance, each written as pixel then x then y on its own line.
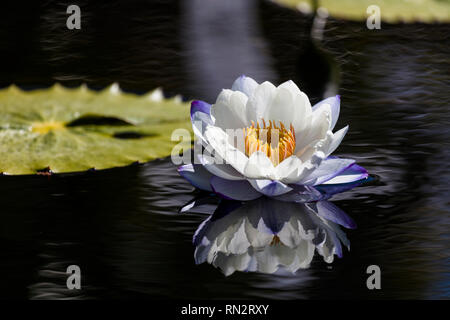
pixel 122 226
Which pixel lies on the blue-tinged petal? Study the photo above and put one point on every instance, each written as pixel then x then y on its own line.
pixel 234 189
pixel 328 169
pixel 198 176
pixel 351 174
pixel 200 106
pixel 270 188
pixel 329 211
pixel 335 105
pixel 245 85
pixel 223 170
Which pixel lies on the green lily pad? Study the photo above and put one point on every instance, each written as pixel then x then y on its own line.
pixel 69 130
pixel 391 10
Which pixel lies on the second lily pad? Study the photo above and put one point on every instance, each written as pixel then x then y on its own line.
pixel 391 10
pixel 69 130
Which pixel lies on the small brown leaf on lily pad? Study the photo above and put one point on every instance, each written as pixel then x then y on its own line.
pixel 71 130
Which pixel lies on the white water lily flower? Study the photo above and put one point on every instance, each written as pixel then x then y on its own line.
pixel 283 145
pixel 264 235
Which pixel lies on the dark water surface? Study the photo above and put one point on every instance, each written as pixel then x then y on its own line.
pixel 122 226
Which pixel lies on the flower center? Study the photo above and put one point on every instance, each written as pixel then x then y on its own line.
pixel 277 143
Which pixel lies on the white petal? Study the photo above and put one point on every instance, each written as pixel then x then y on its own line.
pixel 259 166
pixel 306 170
pixel 335 105
pixel 229 111
pixel 282 107
pixel 309 151
pixel 229 264
pixel 218 141
pixel 287 166
pixel 266 260
pixel 336 140
pixel 303 114
pixel 304 254
pixel 323 108
pixel 316 131
pixel 259 103
pixel 306 153
pixel 238 242
pixel 261 235
pixel 291 86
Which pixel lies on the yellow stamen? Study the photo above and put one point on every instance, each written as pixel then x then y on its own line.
pixel 277 143
pixel 45 127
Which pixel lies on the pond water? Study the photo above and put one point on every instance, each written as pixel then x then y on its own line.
pixel 123 226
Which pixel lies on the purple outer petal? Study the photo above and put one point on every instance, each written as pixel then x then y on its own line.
pixel 329 211
pixel 234 189
pixel 331 189
pixel 200 106
pixel 270 188
pixel 198 176
pixel 325 171
pixel 335 103
pixel 325 191
pixel 351 174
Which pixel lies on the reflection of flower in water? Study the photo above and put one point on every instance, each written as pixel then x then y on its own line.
pixel 264 235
